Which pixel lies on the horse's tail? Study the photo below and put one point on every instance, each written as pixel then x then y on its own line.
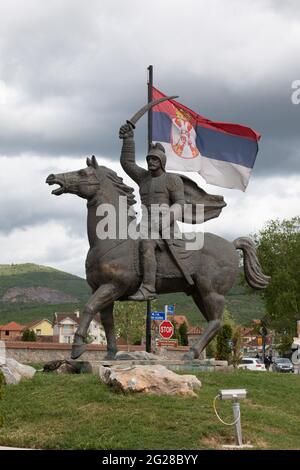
pixel 252 268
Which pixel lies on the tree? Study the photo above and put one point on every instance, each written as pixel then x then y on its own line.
pixel 29 335
pixel 211 349
pixel 224 338
pixel 130 321
pixel 215 349
pixel 278 248
pixel 176 334
pixel 183 337
pixel 285 342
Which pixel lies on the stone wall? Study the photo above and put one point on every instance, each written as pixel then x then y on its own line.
pixel 27 352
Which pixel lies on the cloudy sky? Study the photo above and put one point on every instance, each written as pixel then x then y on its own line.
pixel 71 72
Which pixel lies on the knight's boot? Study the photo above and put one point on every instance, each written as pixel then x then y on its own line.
pixel 78 347
pixel 143 293
pixel 146 291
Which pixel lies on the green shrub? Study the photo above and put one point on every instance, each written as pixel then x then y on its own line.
pixel 28 335
pixel 224 339
pixel 183 329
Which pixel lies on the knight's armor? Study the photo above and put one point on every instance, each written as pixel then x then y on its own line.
pixel 166 189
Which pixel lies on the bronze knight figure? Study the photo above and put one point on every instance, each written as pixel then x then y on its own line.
pixel 156 188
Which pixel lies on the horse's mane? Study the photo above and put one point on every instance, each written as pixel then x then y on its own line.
pixel 118 183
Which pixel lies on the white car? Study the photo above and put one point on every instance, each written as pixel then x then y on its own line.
pixel 251 363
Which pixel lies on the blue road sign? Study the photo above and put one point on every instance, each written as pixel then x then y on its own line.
pixel 170 309
pixel 158 316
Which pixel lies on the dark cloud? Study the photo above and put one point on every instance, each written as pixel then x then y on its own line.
pixel 71 75
pixel 80 73
pixel 86 129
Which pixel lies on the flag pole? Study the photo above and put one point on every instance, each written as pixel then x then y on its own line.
pixel 150 85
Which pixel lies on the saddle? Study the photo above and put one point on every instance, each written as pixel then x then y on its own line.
pixel 166 264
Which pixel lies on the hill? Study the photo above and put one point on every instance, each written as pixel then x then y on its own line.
pixel 243 305
pixel 66 287
pixel 33 275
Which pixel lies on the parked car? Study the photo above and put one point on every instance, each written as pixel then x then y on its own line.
pixel 251 363
pixel 282 364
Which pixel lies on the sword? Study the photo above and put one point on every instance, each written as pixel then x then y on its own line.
pixel 146 108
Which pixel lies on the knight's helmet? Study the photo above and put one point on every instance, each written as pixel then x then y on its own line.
pixel 157 150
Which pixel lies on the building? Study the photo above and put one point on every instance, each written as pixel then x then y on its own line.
pixel 179 320
pixel 252 340
pixel 11 331
pixel 65 325
pixel 41 327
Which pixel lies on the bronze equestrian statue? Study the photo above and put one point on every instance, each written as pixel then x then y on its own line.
pixel 115 270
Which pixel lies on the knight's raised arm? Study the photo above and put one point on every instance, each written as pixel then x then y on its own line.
pixel 127 160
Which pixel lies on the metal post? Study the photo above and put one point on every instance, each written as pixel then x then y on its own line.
pixel 237 419
pixel 150 85
pixel 264 347
pixel 148 327
pixel 148 317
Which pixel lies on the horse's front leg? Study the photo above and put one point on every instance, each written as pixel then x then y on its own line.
pixel 100 301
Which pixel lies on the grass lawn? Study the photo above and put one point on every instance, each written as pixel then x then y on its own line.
pixel 78 412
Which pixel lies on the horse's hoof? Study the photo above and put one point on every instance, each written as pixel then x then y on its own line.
pixel 77 350
pixel 188 357
pixel 110 356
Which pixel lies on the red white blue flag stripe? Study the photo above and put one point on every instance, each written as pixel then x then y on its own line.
pixel 223 153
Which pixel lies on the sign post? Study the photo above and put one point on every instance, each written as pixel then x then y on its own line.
pixel 169 310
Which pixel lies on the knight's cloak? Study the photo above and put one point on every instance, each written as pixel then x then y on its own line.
pixel 193 195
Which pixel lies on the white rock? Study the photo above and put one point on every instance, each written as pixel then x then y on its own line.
pixel 10 378
pixel 13 371
pixel 26 372
pixel 149 379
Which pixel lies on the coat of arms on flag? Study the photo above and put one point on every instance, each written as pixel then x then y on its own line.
pixel 183 136
pixel 223 153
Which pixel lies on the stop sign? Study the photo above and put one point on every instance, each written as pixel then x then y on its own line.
pixel 166 329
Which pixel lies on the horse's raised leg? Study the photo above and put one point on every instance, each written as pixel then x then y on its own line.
pixel 107 321
pixel 102 298
pixel 212 307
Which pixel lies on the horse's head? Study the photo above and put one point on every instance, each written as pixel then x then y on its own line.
pixel 95 183
pixel 83 183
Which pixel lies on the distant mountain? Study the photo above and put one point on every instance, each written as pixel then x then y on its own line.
pixel 243 305
pixel 33 275
pixel 29 291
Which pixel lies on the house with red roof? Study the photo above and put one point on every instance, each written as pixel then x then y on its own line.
pixel 11 331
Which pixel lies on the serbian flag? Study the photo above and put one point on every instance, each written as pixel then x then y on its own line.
pixel 223 153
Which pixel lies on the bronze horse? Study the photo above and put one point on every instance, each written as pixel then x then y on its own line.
pixel 113 270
